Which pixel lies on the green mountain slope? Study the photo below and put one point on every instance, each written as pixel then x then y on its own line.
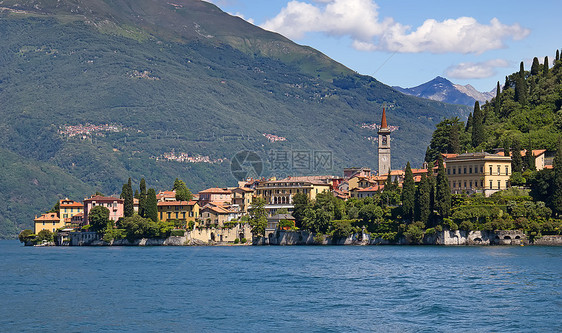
pixel 187 79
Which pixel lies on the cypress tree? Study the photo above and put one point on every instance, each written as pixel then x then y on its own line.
pixel 497 102
pixel 127 196
pixel 454 139
pixel 535 66
pixel 557 55
pixel 522 70
pixel 137 195
pixel 142 198
pixel 468 123
pixel 388 185
pixel 442 191
pixel 545 65
pixel 516 160
pixel 529 161
pixel 408 194
pixel 151 209
pixel 422 206
pixel 477 125
pixel 556 200
pixel 431 186
pixel 521 90
pixel 506 84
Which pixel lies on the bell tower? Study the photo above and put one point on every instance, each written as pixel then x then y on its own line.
pixel 384 146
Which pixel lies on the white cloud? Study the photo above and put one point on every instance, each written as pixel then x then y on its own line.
pixel 240 15
pixel 359 19
pixel 471 70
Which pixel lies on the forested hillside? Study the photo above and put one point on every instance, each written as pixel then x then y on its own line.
pixel 526 114
pixel 99 91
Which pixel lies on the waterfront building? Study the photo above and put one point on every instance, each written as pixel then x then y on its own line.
pixel 219 213
pixel 115 206
pixel 539 156
pixel 278 194
pixel 384 146
pixel 68 208
pixel 215 194
pixel 185 211
pixel 47 221
pixel 243 196
pixel 478 173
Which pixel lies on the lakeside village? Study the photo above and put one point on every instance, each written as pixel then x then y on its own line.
pixel 460 199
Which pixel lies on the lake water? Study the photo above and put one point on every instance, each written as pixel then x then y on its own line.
pixel 289 289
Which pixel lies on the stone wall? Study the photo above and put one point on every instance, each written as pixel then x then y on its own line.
pixel 550 240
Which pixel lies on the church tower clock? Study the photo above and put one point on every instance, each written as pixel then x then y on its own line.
pixel 384 146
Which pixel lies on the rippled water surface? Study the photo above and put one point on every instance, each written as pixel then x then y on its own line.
pixel 291 289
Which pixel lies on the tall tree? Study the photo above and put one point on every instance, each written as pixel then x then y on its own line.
pixel 557 55
pixel 151 205
pixel 454 140
pixel 98 218
pixel 431 182
pixel 468 123
pixel 497 101
pixel 142 198
pixel 301 203
pixel 258 216
pixel 521 90
pixel 516 160
pixel 557 184
pixel 127 196
pixel 529 161
pixel 478 134
pixel 408 194
pixel 182 192
pixel 545 70
pixel 423 200
pixel 535 66
pixel 442 191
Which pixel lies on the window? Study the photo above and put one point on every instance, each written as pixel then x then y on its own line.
pixel 482 183
pixel 481 169
pixel 465 170
pixel 506 170
pixel 454 171
pixel 465 184
pixel 491 187
pixel 448 171
pixel 499 184
pixel 471 184
pixel 454 184
pixel 490 172
pixel 506 183
pixel 470 170
pixel 169 214
pixel 499 172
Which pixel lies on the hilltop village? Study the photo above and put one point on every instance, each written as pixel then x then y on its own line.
pixel 360 204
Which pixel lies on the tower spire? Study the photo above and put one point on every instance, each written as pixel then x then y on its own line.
pixel 383 121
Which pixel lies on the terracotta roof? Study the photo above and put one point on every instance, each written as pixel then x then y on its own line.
pixel 73 204
pixel 383 120
pixel 371 189
pixel 47 217
pixel 449 155
pixel 216 209
pixel 176 203
pixel 415 171
pixel 245 189
pixel 536 152
pixel 549 167
pixel 100 198
pixel 216 190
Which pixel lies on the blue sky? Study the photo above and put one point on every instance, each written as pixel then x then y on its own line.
pixel 409 42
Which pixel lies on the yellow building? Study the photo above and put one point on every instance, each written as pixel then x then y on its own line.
pixel 278 194
pixel 242 196
pixel 48 221
pixel 178 210
pixel 478 173
pixel 68 208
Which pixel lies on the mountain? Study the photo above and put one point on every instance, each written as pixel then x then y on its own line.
pixel 443 90
pixel 95 91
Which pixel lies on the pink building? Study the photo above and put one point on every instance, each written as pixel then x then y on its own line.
pixel 223 195
pixel 115 206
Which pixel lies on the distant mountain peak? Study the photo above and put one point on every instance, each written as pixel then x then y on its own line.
pixel 443 90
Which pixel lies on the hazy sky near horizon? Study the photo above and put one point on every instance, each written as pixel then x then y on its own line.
pixel 409 42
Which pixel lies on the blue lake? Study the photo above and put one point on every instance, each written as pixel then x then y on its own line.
pixel 301 289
